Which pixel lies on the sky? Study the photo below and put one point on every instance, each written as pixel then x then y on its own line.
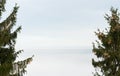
pixel 59 25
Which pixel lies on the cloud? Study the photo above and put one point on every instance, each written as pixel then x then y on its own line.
pixel 60 23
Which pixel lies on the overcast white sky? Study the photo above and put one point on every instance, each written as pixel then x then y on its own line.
pixel 60 24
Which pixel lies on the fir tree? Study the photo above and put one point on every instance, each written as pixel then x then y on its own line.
pixel 8 55
pixel 108 47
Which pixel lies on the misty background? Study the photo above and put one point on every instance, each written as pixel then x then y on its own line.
pixel 60 34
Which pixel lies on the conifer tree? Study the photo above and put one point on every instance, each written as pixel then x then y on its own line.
pixel 108 47
pixel 8 64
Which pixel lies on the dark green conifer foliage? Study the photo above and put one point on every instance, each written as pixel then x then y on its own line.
pixel 108 47
pixel 8 55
